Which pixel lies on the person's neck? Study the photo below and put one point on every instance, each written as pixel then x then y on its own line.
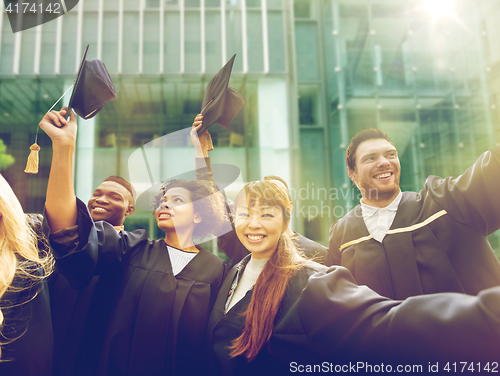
pixel 184 242
pixel 288 231
pixel 119 227
pixel 381 201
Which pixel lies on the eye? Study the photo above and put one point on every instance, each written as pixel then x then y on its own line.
pixel 178 199
pixel 242 215
pixel 267 215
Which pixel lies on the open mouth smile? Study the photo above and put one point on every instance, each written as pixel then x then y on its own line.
pixel 255 238
pixel 383 176
pixel 165 216
pixel 99 209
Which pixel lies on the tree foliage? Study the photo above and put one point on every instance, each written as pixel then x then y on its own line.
pixel 6 160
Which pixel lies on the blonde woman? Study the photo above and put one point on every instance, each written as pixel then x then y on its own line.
pixel 25 326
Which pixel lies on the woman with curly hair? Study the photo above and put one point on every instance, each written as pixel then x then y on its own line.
pixel 25 325
pixel 158 293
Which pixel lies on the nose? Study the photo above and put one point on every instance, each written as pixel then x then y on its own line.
pixel 101 199
pixel 254 221
pixel 382 161
pixel 163 204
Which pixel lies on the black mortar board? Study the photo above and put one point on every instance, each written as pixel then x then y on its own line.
pixel 93 88
pixel 221 102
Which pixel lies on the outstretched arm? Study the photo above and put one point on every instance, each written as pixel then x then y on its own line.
pixel 60 203
pixel 472 198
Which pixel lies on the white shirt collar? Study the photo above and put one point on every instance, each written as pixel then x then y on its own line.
pixel 368 210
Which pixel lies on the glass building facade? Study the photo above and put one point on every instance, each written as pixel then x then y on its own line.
pixel 313 73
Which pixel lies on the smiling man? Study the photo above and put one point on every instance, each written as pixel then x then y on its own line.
pixel 112 201
pixel 79 316
pixel 402 244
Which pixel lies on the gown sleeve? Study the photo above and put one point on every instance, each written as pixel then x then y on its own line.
pixel 472 198
pixel 354 321
pixel 90 248
pixel 333 256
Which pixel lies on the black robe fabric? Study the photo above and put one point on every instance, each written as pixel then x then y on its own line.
pixel 327 320
pixel 78 317
pixel 76 330
pixel 236 251
pixel 27 321
pixel 157 322
pixel 437 242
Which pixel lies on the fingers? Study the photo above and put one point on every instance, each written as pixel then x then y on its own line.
pixel 55 118
pixel 197 125
pixel 198 120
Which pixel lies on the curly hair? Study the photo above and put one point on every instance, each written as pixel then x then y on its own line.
pixel 208 204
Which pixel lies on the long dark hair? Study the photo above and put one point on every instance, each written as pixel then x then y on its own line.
pixel 272 283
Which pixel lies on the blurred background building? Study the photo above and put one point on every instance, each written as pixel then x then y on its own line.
pixel 313 72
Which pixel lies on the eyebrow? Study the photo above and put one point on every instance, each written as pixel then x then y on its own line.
pixel 174 196
pixel 99 191
pixel 368 156
pixel 261 208
pixel 375 153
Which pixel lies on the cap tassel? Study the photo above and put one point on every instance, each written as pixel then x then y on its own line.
pixel 210 145
pixel 32 165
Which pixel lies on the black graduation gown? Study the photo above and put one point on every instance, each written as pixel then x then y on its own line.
pixel 157 323
pixel 326 319
pixel 79 318
pixel 437 242
pixel 77 322
pixel 27 318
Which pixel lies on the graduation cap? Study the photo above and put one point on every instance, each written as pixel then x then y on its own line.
pixel 221 102
pixel 92 89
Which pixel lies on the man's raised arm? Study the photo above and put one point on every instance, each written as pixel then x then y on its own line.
pixel 60 204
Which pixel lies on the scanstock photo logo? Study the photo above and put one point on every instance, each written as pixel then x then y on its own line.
pixel 25 14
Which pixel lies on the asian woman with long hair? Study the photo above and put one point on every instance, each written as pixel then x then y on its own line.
pixel 277 312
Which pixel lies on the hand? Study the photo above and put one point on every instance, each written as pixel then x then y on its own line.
pixel 60 131
pixel 202 142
